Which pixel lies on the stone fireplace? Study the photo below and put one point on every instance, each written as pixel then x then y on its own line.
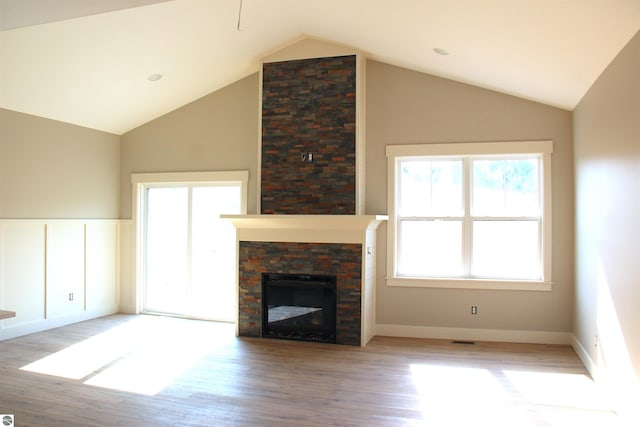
pixel 311 191
pixel 340 245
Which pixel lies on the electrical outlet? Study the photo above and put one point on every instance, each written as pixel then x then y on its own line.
pixel 595 340
pixel 474 309
pixel 70 296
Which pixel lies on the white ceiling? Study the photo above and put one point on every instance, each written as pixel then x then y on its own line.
pixel 86 62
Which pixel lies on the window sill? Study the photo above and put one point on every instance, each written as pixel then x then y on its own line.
pixel 483 284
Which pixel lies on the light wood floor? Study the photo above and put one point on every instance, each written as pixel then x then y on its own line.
pixel 155 371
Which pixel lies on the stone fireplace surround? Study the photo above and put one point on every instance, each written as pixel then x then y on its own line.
pixel 342 260
pixel 341 245
pixel 312 105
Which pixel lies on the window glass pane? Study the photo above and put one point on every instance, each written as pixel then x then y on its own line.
pixel 506 249
pixel 213 263
pixel 430 248
pixel 431 188
pixel 506 187
pixel 166 249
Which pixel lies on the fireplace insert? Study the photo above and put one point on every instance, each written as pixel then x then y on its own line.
pixel 299 307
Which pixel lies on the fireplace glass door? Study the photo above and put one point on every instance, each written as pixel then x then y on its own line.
pixel 299 307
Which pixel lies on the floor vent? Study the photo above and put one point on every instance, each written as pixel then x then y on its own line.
pixel 463 342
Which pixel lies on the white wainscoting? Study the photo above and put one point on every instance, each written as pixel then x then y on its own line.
pixel 54 272
pixel 129 299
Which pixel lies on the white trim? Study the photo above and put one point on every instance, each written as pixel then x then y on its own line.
pixel 472 334
pixel 584 357
pixel 486 284
pixel 470 148
pixel 306 222
pixel 622 392
pixel 304 228
pixel 259 164
pixel 547 216
pixel 191 177
pixel 51 323
pixel 44 221
pixel 360 136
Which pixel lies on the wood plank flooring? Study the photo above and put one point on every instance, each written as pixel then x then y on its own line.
pixel 126 370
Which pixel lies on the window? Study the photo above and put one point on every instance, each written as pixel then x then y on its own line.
pixel 473 215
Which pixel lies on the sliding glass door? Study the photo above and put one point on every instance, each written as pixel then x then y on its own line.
pixel 189 252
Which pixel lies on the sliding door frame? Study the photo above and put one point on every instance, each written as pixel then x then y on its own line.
pixel 141 181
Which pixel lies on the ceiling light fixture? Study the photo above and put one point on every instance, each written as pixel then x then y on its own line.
pixel 441 51
pixel 154 77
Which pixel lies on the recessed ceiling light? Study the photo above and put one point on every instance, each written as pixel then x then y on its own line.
pixel 441 51
pixel 154 77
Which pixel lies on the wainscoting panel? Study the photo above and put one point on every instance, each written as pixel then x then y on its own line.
pixel 127 295
pixel 55 272
pixel 22 273
pixel 65 268
pixel 101 265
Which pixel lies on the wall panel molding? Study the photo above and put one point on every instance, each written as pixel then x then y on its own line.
pixel 44 261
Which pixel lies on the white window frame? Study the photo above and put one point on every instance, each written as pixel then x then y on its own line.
pixel 396 153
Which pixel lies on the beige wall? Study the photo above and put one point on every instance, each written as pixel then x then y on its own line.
pixel 50 169
pixel 59 187
pixel 607 164
pixel 218 132
pixel 405 107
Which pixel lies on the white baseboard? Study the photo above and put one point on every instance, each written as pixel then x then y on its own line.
pixel 45 324
pixel 470 334
pixel 586 360
pixel 622 391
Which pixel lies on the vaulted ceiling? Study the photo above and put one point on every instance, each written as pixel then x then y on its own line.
pixel 88 62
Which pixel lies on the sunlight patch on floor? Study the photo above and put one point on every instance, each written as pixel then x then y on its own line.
pixel 557 389
pixel 81 359
pixel 149 370
pixel 453 396
pixel 143 356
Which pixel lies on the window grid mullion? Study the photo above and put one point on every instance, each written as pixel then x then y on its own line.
pixel 467 223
